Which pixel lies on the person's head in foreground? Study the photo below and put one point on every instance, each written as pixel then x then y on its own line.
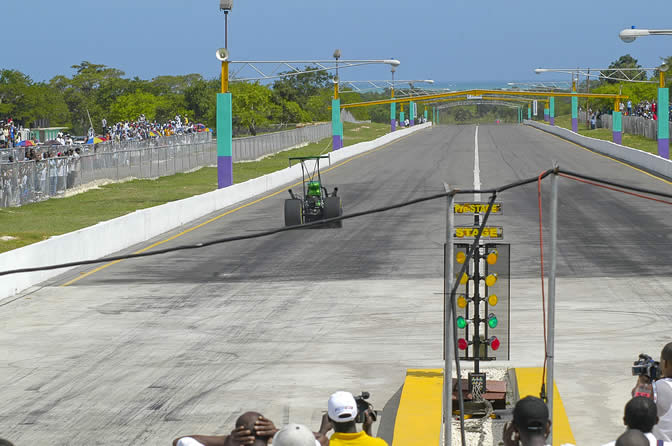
pixel 295 435
pixel 342 410
pixel 248 421
pixel 531 424
pixel 632 437
pixel 640 414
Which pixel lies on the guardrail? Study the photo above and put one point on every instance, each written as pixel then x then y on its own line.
pixel 639 158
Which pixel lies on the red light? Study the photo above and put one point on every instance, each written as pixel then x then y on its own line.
pixel 494 343
pixel 462 344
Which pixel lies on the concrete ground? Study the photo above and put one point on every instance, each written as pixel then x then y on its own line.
pixel 145 350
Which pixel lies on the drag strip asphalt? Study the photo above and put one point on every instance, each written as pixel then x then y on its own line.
pixel 148 349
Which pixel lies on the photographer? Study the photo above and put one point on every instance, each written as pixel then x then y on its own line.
pixel 342 411
pixel 657 384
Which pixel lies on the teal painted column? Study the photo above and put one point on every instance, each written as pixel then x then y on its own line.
pixel 438 116
pixel 551 110
pixel 401 115
pixel 664 122
pixel 425 115
pixel 546 115
pixel 529 113
pixel 411 113
pixel 336 124
pixel 224 140
pixel 617 127
pixel 575 114
pixel 340 132
pixel 393 117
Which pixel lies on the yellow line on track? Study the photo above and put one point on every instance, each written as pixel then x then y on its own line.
pixel 606 156
pixel 154 245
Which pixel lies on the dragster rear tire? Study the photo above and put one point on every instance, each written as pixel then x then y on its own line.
pixel 333 208
pixel 293 212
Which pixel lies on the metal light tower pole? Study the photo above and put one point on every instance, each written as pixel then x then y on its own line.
pixel 336 123
pixel 224 109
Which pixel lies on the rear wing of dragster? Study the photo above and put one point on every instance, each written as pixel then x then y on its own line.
pixel 307 158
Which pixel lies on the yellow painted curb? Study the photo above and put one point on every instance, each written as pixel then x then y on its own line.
pixel 528 381
pixel 419 416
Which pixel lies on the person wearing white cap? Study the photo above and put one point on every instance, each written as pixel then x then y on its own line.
pixel 342 411
pixel 295 435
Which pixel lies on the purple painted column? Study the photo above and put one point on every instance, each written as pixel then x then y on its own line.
pixel 224 171
pixel 224 141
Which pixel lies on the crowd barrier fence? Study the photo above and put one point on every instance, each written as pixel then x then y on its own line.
pixel 24 181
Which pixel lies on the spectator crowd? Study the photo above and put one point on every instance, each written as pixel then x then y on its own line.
pixel 142 129
pixel 11 133
pixel 644 109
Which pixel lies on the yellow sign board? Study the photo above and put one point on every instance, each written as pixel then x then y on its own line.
pixel 489 232
pixel 477 208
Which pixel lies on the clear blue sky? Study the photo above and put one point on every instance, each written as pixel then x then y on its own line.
pixel 449 40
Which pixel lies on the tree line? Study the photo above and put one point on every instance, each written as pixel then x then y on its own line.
pixel 97 91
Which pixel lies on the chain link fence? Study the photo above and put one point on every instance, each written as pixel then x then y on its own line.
pixel 31 181
pixel 255 147
pixel 19 153
pixel 24 181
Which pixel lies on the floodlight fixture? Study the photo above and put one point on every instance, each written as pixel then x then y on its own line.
pixel 629 35
pixel 225 5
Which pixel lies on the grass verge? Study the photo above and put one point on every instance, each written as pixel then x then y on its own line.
pixel 32 223
pixel 634 141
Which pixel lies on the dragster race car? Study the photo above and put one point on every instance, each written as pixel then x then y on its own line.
pixel 315 203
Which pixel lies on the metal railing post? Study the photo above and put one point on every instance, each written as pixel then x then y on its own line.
pixel 550 369
pixel 448 319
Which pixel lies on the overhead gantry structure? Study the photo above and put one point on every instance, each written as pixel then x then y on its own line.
pixel 544 96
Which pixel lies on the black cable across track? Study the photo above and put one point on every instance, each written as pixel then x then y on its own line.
pixel 495 190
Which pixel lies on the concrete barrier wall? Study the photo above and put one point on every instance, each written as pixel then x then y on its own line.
pixel 111 236
pixel 639 158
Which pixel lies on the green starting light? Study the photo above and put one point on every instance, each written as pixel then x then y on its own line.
pixel 492 320
pixel 461 322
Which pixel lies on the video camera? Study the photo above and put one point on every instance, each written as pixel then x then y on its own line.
pixel 646 366
pixel 362 406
